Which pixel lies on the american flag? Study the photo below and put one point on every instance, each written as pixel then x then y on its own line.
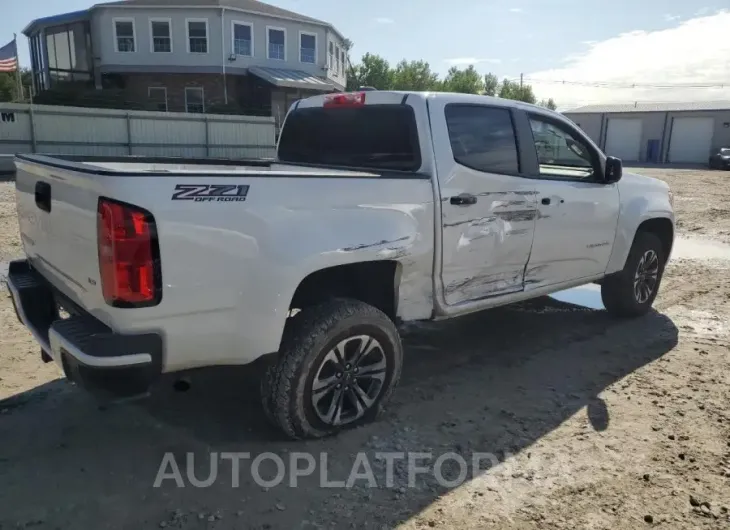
pixel 9 57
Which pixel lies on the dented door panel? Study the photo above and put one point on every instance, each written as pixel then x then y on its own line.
pixel 486 246
pixel 486 241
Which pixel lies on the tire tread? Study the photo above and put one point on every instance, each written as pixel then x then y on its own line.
pixel 302 334
pixel 617 290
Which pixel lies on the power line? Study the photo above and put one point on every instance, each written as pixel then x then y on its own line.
pixel 628 85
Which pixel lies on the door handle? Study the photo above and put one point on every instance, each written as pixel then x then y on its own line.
pixel 43 196
pixel 465 199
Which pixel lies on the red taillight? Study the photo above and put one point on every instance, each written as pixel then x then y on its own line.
pixel 353 99
pixel 128 255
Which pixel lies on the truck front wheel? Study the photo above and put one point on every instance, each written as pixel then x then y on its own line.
pixel 338 364
pixel 631 292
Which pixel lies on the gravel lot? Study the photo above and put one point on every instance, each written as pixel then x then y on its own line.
pixel 593 423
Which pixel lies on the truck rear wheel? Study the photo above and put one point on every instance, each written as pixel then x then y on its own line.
pixel 338 364
pixel 631 292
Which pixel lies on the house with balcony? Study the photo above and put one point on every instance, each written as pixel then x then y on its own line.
pixel 190 55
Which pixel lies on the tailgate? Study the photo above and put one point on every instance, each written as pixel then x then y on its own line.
pixel 57 217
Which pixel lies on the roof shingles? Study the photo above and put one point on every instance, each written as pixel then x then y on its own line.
pixel 248 5
pixel 252 6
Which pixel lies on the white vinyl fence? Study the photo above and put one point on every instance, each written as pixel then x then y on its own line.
pixel 84 131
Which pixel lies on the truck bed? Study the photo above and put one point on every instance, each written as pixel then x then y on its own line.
pixel 135 166
pixel 228 231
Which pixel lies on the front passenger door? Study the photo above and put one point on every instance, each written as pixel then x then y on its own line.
pixel 578 212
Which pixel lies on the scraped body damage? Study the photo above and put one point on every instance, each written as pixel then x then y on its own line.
pixel 486 245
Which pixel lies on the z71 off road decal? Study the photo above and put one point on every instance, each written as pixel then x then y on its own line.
pixel 210 192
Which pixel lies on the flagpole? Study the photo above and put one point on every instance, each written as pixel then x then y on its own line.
pixel 17 68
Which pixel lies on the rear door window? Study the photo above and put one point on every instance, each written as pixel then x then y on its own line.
pixel 371 136
pixel 483 138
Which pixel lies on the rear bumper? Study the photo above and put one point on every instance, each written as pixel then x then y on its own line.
pixel 89 352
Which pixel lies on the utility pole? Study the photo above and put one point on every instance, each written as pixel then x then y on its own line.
pixel 521 76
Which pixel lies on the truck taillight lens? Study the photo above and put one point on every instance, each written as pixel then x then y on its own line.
pixel 350 99
pixel 129 263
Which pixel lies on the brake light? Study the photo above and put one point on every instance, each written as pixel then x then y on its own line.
pixel 128 255
pixel 352 99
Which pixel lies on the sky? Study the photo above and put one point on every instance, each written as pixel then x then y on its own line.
pixel 582 42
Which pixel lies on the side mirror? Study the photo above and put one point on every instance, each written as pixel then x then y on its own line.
pixel 614 170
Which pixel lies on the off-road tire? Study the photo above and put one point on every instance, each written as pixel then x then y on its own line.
pixel 309 336
pixel 617 290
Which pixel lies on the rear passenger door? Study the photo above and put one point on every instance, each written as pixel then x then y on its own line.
pixel 488 207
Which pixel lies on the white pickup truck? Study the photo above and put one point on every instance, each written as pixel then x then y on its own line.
pixel 381 207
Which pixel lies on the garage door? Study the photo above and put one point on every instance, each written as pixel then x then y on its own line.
pixel 691 139
pixel 623 138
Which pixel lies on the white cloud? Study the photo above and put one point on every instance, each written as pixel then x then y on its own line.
pixel 671 18
pixel 384 20
pixel 702 11
pixel 516 10
pixel 466 61
pixel 694 52
pixel 589 42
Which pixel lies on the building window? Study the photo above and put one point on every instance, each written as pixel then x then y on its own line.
pixel 124 35
pixel 243 39
pixel 161 35
pixel 276 43
pixel 197 35
pixel 307 47
pixel 158 98
pixel 332 55
pixel 194 100
pixel 343 62
pixel 67 57
pixel 337 59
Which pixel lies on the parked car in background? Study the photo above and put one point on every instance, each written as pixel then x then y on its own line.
pixel 382 207
pixel 720 158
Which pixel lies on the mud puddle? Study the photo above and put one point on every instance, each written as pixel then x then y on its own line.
pixel 700 249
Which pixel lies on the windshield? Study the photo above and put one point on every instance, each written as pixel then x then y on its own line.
pixel 725 151
pixel 372 136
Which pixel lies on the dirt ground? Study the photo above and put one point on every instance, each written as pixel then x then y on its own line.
pixel 701 198
pixel 594 423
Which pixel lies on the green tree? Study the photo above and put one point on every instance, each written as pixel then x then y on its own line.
pixel 467 81
pixel 513 90
pixel 491 84
pixel 373 71
pixel 8 87
pixel 548 103
pixel 347 44
pixel 415 75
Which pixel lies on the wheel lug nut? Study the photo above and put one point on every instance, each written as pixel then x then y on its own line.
pixel 339 375
pixel 357 369
pixel 347 367
pixel 339 385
